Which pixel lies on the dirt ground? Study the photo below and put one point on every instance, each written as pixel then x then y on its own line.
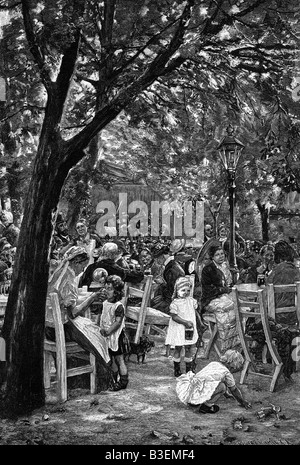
pixel 149 413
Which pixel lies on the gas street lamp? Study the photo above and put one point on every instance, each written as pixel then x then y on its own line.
pixel 230 150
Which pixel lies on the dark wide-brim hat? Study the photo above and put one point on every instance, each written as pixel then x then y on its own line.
pixel 213 242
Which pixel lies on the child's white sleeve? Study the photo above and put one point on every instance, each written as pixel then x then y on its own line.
pixel 173 308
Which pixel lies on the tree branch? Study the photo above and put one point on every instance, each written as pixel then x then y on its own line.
pixel 24 107
pixel 88 45
pixel 151 41
pixel 249 9
pixel 81 77
pixel 69 58
pixel 74 147
pixel 109 12
pixel 228 19
pixel 10 7
pixel 34 45
pixel 66 71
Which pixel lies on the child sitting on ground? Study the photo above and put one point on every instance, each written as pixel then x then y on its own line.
pixel 215 379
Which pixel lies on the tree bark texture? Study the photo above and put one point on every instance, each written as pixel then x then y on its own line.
pixel 23 328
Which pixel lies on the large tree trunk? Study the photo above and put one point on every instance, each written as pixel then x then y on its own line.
pixel 23 328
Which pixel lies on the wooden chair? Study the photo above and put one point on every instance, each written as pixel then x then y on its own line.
pixel 142 318
pixel 61 349
pixel 254 304
pixel 273 311
pixel 135 315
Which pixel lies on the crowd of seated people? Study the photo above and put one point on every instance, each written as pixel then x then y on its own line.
pixel 132 259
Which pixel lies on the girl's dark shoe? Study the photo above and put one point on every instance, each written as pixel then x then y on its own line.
pixel 209 408
pixel 177 371
pixel 189 367
pixel 121 384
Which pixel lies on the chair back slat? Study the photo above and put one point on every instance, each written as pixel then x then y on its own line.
pixel 248 295
pixel 249 303
pixel 192 280
pixel 279 288
pixel 135 292
pixel 286 310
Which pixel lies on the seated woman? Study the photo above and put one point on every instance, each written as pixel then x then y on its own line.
pixel 77 328
pixel 216 284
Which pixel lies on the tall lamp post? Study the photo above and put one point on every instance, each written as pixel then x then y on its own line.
pixel 2 114
pixel 230 150
pixel 2 95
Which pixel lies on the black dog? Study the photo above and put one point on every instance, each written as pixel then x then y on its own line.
pixel 140 349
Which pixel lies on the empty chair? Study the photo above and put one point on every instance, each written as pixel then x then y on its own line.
pixel 140 319
pixel 136 315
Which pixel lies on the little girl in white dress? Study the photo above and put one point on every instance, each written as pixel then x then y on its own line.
pixel 182 329
pixel 204 388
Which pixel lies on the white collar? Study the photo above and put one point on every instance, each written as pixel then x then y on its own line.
pixel 169 259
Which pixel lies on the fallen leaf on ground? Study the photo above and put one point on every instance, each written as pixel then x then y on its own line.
pixel 188 439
